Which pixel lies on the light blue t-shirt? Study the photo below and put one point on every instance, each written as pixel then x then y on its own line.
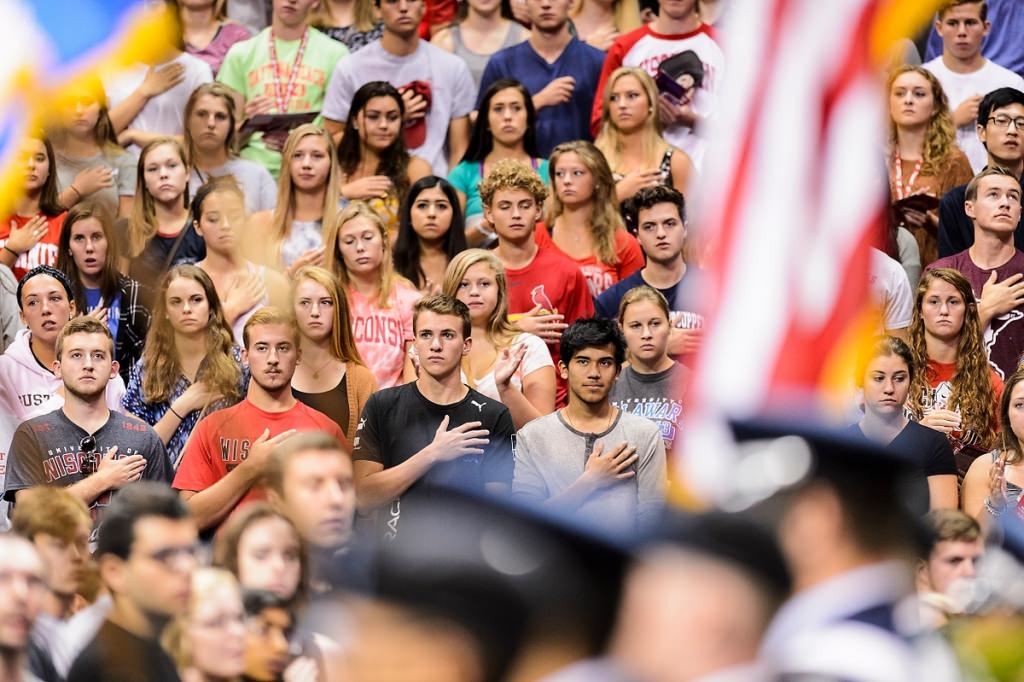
pixel 466 178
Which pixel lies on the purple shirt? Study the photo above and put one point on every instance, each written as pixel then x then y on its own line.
pixel 1004 337
pixel 228 34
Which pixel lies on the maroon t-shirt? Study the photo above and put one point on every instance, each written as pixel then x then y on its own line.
pixel 1004 337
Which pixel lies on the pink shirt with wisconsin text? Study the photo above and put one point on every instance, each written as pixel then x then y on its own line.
pixel 382 333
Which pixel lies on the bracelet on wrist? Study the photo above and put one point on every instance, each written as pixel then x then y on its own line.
pixel 11 251
pixel 170 408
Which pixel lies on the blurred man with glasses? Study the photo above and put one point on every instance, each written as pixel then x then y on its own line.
pixel 84 446
pixel 147 551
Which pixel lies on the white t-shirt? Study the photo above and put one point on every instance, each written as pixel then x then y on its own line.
pixel 256 182
pixel 960 86
pixel 537 356
pixel 890 290
pixel 164 113
pixel 451 89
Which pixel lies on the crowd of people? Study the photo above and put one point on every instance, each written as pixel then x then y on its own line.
pixel 351 340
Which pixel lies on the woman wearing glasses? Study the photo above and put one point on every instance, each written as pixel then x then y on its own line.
pixel 924 161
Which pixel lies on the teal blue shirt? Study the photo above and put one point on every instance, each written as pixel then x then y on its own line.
pixel 466 178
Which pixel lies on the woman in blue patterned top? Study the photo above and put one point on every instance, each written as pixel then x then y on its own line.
pixel 190 365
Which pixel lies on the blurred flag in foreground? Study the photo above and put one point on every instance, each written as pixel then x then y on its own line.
pixel 793 196
pixel 49 46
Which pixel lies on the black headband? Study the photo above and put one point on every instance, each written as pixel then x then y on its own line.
pixel 49 271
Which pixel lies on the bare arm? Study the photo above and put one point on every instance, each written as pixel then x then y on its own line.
pixel 418 168
pixel 211 506
pixel 536 399
pixel 976 487
pixel 942 492
pixel 335 128
pixel 377 486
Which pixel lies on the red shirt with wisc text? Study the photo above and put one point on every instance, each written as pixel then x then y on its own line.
pixel 221 441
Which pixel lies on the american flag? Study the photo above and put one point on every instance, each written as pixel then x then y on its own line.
pixel 793 196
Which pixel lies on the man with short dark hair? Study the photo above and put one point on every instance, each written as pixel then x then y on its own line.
pixel 223 465
pixel 993 266
pixel 591 459
pixel 22 590
pixel 659 215
pixel 85 446
pixel 557 68
pixel 436 86
pixel 434 428
pixel 1003 141
pixel 966 76
pixel 146 551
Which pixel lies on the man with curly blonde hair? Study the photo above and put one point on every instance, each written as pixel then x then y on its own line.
pixel 546 290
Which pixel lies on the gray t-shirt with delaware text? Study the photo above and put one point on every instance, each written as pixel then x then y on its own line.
pixel 47 450
pixel 550 455
pixel 657 397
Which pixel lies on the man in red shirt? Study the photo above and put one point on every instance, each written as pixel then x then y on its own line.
pixel 546 290
pixel 227 454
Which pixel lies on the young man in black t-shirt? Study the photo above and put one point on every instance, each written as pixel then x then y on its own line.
pixel 435 428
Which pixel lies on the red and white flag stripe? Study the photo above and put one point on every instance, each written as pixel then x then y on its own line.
pixel 792 196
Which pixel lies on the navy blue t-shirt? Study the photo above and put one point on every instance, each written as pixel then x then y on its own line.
pixel 607 304
pixel 564 122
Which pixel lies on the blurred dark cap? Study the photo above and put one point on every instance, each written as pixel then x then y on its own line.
pixel 732 539
pixel 509 575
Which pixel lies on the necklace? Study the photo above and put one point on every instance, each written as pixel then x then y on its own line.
pixel 611 416
pixel 316 372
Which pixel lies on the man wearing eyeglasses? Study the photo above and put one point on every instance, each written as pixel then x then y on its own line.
pixel 1000 129
pixel 146 552
pixel 84 446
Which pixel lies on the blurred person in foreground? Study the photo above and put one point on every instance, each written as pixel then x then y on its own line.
pixel 945 578
pixel 310 482
pixel 479 588
pixel 58 525
pixel 697 602
pixel 849 536
pixel 207 641
pixel 146 550
pixel 22 591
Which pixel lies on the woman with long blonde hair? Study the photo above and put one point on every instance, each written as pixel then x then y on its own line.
pixel 207 642
pixel 630 136
pixel 600 22
pixel 584 217
pixel 923 156
pixel 331 376
pixel 190 365
pixel 358 253
pixel 307 202
pixel 955 390
pixel 509 365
